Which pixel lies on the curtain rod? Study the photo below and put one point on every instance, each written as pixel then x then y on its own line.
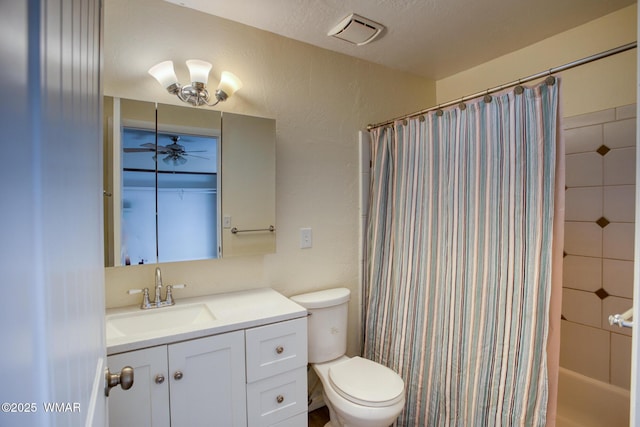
pixel 541 74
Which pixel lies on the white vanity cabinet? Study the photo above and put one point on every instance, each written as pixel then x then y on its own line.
pixel 251 377
pixel 236 359
pixel 199 382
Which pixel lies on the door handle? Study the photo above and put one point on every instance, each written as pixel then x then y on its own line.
pixel 124 379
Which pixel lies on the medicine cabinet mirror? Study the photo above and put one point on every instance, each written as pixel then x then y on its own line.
pixel 185 183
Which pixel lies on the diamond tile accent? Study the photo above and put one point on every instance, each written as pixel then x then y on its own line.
pixel 601 293
pixel 603 149
pixel 602 222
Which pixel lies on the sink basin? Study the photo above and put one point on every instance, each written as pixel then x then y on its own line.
pixel 158 320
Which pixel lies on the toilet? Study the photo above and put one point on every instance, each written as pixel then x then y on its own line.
pixel 357 391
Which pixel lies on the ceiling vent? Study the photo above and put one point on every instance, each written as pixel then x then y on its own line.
pixel 357 30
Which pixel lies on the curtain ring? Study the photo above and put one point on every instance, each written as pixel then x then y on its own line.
pixel 488 98
pixel 462 106
pixel 404 122
pixel 422 118
pixel 550 81
pixel 519 89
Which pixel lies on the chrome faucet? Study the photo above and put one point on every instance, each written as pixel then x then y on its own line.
pixel 158 298
pixel 158 302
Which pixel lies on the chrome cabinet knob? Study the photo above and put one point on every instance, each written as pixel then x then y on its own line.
pixel 178 375
pixel 279 349
pixel 124 379
pixel 159 379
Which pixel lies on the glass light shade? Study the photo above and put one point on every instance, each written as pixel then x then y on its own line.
pixel 164 73
pixel 229 83
pixel 199 70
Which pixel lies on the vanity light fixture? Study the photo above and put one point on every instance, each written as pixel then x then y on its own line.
pixel 196 93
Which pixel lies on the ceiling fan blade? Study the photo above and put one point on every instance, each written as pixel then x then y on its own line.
pixel 138 150
pixel 199 157
pixel 152 147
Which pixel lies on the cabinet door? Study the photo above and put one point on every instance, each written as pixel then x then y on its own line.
pixel 207 381
pixel 146 403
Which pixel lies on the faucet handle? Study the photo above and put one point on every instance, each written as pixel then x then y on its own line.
pixel 169 300
pixel 146 303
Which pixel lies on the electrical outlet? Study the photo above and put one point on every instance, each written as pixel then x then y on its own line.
pixel 305 238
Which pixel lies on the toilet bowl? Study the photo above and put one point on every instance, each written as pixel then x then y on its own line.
pixel 357 391
pixel 375 399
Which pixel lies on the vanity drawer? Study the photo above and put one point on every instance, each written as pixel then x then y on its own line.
pixel 276 348
pixel 277 399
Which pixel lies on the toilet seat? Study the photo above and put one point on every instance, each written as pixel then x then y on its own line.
pixel 366 383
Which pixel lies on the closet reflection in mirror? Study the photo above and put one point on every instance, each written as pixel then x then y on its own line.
pixel 186 196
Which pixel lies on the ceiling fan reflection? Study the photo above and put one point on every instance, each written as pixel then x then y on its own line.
pixel 176 154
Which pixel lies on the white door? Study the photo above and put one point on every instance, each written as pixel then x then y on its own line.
pixel 51 263
pixel 635 343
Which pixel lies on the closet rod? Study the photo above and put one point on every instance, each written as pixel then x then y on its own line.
pixel 541 74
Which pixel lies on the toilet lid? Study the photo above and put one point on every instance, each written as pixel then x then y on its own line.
pixel 366 383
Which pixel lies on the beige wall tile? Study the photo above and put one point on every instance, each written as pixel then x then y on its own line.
pixel 619 203
pixel 620 134
pixel 621 360
pixel 594 118
pixel 583 139
pixel 618 240
pixel 615 305
pixel 583 203
pixel 617 277
pixel 619 167
pixel 626 112
pixel 585 349
pixel 581 307
pixel 584 170
pixel 583 273
pixel 583 238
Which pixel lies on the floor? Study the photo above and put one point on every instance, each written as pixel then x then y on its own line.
pixel 319 417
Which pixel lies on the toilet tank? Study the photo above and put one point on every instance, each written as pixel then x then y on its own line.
pixel 327 324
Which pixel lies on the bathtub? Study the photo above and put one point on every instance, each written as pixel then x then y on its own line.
pixel 586 402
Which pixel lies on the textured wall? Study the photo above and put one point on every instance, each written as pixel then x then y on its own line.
pixel 320 100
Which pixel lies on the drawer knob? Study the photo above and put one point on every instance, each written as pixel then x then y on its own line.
pixel 280 398
pixel 178 375
pixel 159 379
pixel 279 349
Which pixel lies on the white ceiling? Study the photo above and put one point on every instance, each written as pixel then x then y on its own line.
pixel 430 38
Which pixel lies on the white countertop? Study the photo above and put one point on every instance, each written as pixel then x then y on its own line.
pixel 226 312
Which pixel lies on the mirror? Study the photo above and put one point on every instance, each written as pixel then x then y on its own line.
pixel 178 189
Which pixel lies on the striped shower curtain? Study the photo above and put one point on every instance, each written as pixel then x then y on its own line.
pixel 458 258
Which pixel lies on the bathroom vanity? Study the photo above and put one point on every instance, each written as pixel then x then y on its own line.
pixel 235 359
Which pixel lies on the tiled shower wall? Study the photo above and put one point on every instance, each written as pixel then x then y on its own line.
pixel 599 236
